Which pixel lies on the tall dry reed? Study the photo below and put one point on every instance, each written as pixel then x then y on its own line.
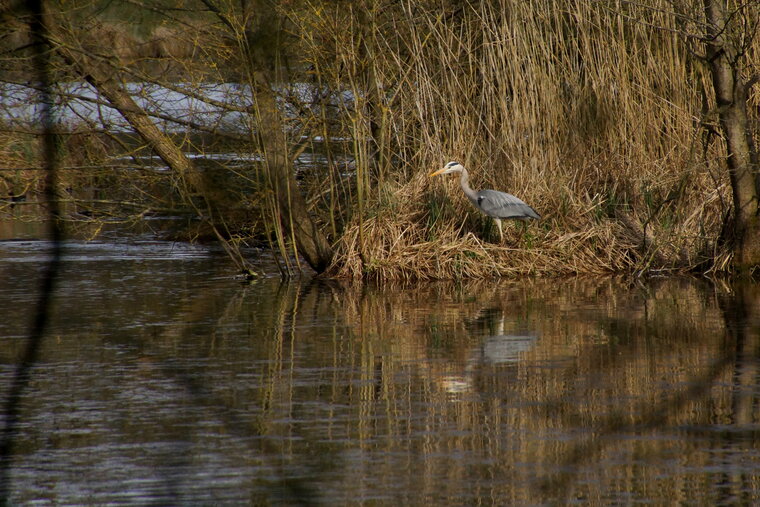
pixel 598 114
pixel 595 113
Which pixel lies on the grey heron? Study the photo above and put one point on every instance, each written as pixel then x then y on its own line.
pixel 495 204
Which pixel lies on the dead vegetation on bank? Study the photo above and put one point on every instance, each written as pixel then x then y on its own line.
pixel 425 234
pixel 598 114
pixel 599 118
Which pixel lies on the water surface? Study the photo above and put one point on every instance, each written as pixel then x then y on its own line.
pixel 163 380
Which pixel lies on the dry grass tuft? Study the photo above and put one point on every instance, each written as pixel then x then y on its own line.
pixel 408 241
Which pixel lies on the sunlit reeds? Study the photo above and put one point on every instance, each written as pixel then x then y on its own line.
pixel 598 114
pixel 589 112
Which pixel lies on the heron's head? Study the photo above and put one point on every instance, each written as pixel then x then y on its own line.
pixel 451 167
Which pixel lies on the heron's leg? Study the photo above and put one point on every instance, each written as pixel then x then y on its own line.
pixel 501 233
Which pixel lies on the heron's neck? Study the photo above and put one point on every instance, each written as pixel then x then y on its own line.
pixel 464 181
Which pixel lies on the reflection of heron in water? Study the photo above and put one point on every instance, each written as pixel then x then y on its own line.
pixel 496 348
pixel 506 348
pixel 499 347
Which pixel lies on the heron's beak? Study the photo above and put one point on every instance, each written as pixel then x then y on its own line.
pixel 439 171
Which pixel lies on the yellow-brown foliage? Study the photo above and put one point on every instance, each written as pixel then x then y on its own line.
pixel 597 115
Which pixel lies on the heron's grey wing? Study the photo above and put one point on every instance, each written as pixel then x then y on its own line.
pixel 502 205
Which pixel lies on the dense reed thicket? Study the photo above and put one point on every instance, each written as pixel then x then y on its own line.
pixel 596 113
pixel 601 115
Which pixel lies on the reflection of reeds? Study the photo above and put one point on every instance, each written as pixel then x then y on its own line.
pixel 594 396
pixel 382 391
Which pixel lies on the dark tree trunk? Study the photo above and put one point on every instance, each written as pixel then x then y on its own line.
pixel 311 243
pixel 261 47
pixel 731 97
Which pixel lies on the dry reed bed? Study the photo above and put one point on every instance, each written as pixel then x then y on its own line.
pixel 596 114
pixel 402 244
pixel 593 115
pixel 404 241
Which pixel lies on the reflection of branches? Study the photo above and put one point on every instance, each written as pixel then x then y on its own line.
pixel 652 416
pixel 202 390
pixel 11 408
pixel 646 415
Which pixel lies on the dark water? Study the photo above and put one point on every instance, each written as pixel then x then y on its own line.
pixel 162 380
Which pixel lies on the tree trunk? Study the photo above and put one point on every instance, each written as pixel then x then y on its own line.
pixel 731 97
pixel 311 243
pixel 104 81
pixel 251 33
pixel 309 239
pixel 104 78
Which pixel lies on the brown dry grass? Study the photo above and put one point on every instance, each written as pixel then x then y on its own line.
pixel 595 113
pixel 402 241
pixel 598 117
